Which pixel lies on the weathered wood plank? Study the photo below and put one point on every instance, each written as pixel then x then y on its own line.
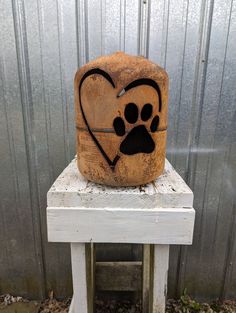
pixel 122 276
pixel 160 274
pixel 159 226
pixel 146 274
pixel 71 308
pixel 78 261
pixel 90 274
pixel 71 188
pixel 118 276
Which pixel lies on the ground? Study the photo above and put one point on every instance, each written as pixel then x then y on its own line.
pixel 10 304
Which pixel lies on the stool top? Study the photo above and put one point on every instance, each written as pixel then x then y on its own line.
pixel 71 189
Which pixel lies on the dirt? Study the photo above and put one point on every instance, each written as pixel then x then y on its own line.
pixel 10 304
pixel 54 306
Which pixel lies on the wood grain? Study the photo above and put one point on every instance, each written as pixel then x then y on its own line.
pixel 146 276
pixel 71 188
pixel 157 226
pixel 160 275
pixel 78 262
pixel 99 100
pixel 118 276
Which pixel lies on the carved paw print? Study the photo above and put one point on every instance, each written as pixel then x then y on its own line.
pixel 138 139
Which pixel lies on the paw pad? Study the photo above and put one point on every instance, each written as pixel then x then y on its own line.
pixel 138 139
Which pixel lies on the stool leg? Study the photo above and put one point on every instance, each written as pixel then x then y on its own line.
pixel 160 275
pixel 90 270
pixel 146 269
pixel 78 262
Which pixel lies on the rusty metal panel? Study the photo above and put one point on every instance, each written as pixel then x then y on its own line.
pixel 42 44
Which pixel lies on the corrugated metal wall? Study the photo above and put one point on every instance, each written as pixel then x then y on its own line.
pixel 41 45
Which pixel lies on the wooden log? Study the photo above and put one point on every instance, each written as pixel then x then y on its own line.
pixel 121 120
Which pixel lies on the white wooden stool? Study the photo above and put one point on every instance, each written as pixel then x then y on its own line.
pixel 159 213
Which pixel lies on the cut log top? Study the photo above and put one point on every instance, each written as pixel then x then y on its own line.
pixel 71 189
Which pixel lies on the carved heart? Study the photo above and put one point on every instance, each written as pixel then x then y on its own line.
pixel 93 90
